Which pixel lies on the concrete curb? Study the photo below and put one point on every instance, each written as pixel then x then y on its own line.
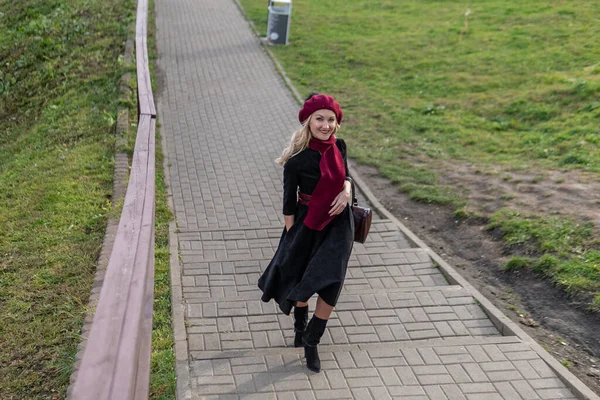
pixel 501 321
pixel 182 366
pixel 182 369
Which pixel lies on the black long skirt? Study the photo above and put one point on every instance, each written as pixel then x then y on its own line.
pixel 309 261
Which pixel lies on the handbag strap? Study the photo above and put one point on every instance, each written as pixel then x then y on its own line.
pixel 354 199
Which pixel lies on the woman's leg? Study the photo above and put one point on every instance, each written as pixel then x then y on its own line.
pixel 323 309
pixel 300 322
pixel 314 332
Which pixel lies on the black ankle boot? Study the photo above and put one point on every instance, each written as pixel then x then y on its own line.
pixel 312 337
pixel 300 322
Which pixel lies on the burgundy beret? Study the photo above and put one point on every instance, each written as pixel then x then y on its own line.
pixel 320 102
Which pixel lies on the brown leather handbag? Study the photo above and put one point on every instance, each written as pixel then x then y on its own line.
pixel 362 218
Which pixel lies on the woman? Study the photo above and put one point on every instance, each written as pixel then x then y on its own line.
pixel 315 246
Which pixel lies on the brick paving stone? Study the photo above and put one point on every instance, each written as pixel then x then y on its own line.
pixel 453 392
pixel 458 373
pixel 524 389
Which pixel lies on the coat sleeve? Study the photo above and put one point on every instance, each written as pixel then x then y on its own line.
pixel 342 146
pixel 290 189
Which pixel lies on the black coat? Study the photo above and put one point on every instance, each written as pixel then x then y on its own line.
pixel 308 261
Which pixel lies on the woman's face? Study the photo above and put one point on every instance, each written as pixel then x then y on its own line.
pixel 322 124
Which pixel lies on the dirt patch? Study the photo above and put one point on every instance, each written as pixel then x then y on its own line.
pixel 549 192
pixel 559 323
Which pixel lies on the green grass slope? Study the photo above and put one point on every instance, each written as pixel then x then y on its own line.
pixel 58 97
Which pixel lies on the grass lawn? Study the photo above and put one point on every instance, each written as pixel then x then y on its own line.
pixel 162 372
pixel 59 91
pixel 502 85
pixel 58 99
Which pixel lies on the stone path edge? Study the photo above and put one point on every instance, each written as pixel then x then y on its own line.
pixel 182 369
pixel 506 326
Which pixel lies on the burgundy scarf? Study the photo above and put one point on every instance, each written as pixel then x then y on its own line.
pixel 333 174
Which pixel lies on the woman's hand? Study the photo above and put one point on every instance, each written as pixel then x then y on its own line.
pixel 341 200
pixel 289 221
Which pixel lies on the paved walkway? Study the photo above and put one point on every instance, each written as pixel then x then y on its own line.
pixel 400 329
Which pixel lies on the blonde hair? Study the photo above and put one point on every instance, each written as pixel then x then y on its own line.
pixel 299 141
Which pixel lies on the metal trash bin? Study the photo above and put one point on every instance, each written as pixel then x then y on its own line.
pixel 278 23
